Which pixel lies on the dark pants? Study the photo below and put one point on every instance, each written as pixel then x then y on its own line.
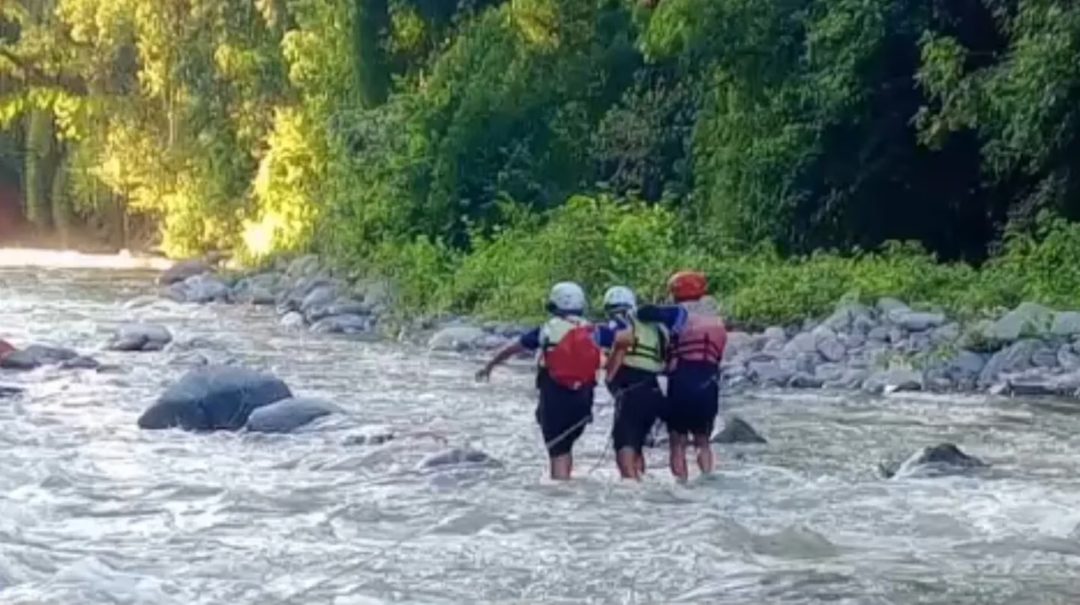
pixel 693 398
pixel 562 414
pixel 638 400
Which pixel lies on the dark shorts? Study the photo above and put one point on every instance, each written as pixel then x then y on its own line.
pixel 693 400
pixel 638 400
pixel 562 414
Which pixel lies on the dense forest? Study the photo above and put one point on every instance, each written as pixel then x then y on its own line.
pixel 476 149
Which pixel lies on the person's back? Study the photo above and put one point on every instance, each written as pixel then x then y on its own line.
pixel 697 348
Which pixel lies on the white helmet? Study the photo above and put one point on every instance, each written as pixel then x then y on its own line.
pixel 567 297
pixel 619 297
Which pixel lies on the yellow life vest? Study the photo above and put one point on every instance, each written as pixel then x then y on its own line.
pixel 647 352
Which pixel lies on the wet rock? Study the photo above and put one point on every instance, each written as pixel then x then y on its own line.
pixel 320 296
pixel 830 347
pixel 803 380
pixel 1068 358
pixel 853 340
pixel 1044 357
pixel 293 298
pixel 851 378
pixel 917 322
pixel 289 414
pixel 737 430
pixel 1039 383
pixel 964 369
pixel 894 380
pixel 829 371
pixel 1066 324
pixel 459 456
pixel 878 334
pixel 916 344
pixel 204 288
pixel 341 306
pixel 7 392
pixel 35 356
pixel 803 362
pixel 343 324
pixel 175 293
pixel 190 359
pixel 768 373
pixel 456 338
pixel 369 439
pixel 258 289
pixel 292 320
pixel 941 459
pixel 214 398
pixel 140 337
pixel 183 270
pixel 80 363
pixel 1012 359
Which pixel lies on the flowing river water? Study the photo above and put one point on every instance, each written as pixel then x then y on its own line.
pixel 92 510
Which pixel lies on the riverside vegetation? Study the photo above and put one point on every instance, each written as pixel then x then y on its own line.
pixel 470 152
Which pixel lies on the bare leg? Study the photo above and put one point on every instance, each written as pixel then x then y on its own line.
pixel 640 463
pixel 626 458
pixel 704 453
pixel 561 467
pixel 678 456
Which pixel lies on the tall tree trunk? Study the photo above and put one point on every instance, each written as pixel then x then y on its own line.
pixel 40 168
pixel 370 26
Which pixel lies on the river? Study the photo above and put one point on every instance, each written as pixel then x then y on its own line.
pixel 94 511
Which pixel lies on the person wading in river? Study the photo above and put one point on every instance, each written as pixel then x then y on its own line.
pixel 636 361
pixel 570 357
pixel 698 338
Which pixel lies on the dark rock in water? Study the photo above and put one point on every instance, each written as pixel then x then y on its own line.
pixel 343 324
pixel 80 363
pixel 289 414
pixel 35 356
pixel 140 337
pixel 6 391
pixel 459 457
pixel 182 270
pixel 941 459
pixel 213 398
pixel 803 380
pixel 737 430
pixel 369 439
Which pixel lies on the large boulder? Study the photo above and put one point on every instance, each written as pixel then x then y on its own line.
pixel 204 288
pixel 140 337
pixel 965 368
pixel 289 414
pixel 214 398
pixel 1028 320
pixel 35 356
pixel 258 289
pixel 941 459
pixel 1066 324
pixel 1039 382
pixel 182 271
pixel 456 338
pixel 1010 360
pixel 829 345
pixel 320 296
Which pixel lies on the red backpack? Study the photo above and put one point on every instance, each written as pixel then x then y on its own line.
pixel 574 361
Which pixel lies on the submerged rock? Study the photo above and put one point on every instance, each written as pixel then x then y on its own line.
pixel 369 439
pixel 459 457
pixel 80 363
pixel 214 398
pixel 140 337
pixel 941 459
pixel 289 414
pixel 35 356
pixel 7 392
pixel 456 338
pixel 737 430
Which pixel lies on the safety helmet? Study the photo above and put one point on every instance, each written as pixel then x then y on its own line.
pixel 688 285
pixel 567 297
pixel 618 298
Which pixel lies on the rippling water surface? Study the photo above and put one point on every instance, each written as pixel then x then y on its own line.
pixel 94 511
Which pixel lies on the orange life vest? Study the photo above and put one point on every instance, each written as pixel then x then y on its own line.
pixel 703 338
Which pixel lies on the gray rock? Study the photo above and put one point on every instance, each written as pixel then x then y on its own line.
pixel 304 266
pixel 896 336
pixel 852 378
pixel 341 306
pixel 80 363
pixel 803 362
pixel 176 293
pixel 1068 358
pixel 35 356
pixel 775 333
pixel 205 289
pixel 140 337
pixel 831 348
pixel 182 270
pixel 1026 320
pixel 293 298
pixel 343 324
pixel 917 322
pixel 878 334
pixel 377 293
pixel 827 372
pixel 966 367
pixel 292 320
pixel 853 340
pixel 459 457
pixel 190 359
pixel 456 338
pixel 1039 382
pixel 844 317
pixel 768 373
pixel 894 380
pixel 917 343
pixel 947 334
pixel 214 398
pixel 886 305
pixel 737 430
pixel 941 459
pixel 1044 357
pixel 1066 324
pixel 802 380
pixel 320 296
pixel 804 342
pixel 1012 359
pixel 369 439
pixel 289 414
pixel 739 343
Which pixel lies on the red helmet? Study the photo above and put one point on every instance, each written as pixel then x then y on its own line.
pixel 688 285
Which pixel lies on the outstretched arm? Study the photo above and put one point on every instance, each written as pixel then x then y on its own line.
pixel 624 339
pixel 510 350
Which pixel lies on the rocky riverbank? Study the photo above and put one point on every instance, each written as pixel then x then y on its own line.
pixel 884 347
